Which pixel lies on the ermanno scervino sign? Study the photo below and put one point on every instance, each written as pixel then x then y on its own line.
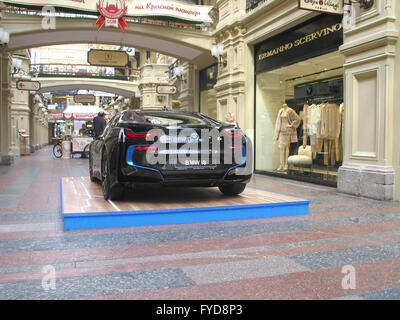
pixel 313 38
pixel 327 6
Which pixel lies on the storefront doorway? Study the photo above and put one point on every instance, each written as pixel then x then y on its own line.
pixel 299 102
pixel 208 95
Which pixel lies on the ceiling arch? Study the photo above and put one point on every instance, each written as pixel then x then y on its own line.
pixel 54 37
pixel 95 87
pixel 189 44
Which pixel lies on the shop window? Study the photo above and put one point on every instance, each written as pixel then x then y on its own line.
pixel 299 101
pixel 299 119
pixel 207 81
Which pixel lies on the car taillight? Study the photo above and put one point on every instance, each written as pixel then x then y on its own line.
pixel 129 133
pixel 233 134
pixel 145 148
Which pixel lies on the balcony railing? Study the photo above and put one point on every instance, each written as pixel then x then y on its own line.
pixel 252 4
pixel 85 71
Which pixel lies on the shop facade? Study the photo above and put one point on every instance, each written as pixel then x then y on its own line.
pixel 207 93
pixel 299 101
pixel 320 100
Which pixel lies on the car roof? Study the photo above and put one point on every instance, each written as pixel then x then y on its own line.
pixel 175 112
pixel 161 111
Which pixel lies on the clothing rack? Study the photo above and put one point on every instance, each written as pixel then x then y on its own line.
pixel 326 142
pixel 331 99
pixel 300 102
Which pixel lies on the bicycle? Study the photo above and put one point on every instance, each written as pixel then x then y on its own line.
pixel 57 150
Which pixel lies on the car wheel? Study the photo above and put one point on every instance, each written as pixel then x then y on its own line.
pixel 92 177
pixel 85 153
pixel 232 189
pixel 109 193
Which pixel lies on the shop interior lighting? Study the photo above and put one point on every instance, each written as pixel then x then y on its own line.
pixel 313 74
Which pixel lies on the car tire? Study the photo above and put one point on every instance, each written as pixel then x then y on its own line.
pixel 92 177
pixel 85 153
pixel 232 189
pixel 109 193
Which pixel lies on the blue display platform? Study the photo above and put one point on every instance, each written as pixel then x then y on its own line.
pixel 83 206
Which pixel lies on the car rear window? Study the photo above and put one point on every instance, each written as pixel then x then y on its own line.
pixel 165 118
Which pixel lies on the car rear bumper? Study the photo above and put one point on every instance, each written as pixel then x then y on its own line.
pixel 185 182
pixel 132 173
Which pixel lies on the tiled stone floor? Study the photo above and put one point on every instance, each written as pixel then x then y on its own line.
pixel 300 257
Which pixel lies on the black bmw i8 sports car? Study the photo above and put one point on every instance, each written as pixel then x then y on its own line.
pixel 170 148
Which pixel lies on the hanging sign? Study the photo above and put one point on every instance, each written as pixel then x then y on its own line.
pixel 107 58
pixel 55 116
pixel 28 85
pixel 84 98
pixel 115 10
pixel 163 89
pixel 326 6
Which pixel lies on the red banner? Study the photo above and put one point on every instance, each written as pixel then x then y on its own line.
pixel 112 14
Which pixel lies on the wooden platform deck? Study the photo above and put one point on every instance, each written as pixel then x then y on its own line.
pixel 83 205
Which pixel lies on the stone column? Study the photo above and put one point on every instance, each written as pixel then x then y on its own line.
pixel 44 131
pixel 371 112
pixel 32 127
pixel 153 75
pixel 188 88
pixel 231 85
pixel 40 142
pixel 36 124
pixel 19 119
pixel 6 156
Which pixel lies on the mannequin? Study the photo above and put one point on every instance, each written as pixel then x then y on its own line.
pixel 285 133
pixel 284 155
pixel 229 118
